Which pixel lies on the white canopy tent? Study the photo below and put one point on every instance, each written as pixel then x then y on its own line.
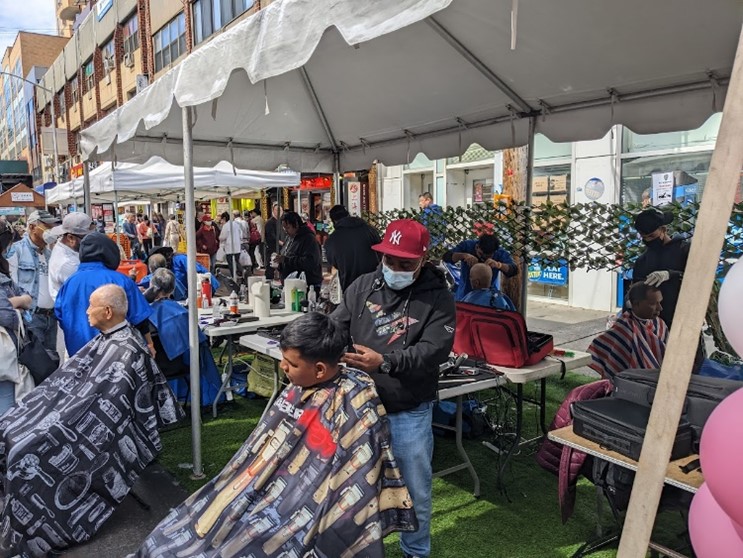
pixel 161 179
pixel 433 76
pixel 337 84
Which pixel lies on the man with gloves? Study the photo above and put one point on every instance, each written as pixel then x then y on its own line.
pixel 401 319
pixel 663 262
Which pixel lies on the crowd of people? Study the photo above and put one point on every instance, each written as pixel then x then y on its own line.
pixel 363 379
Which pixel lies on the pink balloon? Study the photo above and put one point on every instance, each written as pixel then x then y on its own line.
pixel 721 454
pixel 728 303
pixel 712 532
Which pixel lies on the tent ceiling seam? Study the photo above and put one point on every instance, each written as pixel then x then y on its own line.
pixel 318 108
pixel 479 65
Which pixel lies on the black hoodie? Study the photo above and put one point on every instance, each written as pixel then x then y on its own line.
pixel 302 253
pixel 349 249
pixel 97 247
pixel 377 318
pixel 669 257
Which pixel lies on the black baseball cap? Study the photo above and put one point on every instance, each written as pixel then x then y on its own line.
pixel 651 219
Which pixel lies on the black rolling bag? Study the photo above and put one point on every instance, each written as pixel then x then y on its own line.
pixel 619 425
pixel 702 396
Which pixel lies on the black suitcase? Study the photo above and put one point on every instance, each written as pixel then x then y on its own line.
pixel 702 396
pixel 620 425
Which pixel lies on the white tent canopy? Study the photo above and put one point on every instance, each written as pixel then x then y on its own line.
pixel 431 76
pixel 158 178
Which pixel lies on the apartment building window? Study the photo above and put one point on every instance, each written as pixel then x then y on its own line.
pixel 107 53
pixel 131 35
pixel 209 16
pixel 74 86
pixel 88 73
pixel 170 42
pixel 62 106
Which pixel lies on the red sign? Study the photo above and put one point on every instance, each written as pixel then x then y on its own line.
pixel 76 171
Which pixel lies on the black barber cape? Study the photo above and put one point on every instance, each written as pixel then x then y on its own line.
pixel 72 449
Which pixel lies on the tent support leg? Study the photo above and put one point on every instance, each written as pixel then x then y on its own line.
pixel 86 188
pixel 711 226
pixel 193 311
pixel 527 230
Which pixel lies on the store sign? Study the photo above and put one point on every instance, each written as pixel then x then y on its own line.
pixel 22 197
pixel 354 198
pixel 549 275
pixel 76 171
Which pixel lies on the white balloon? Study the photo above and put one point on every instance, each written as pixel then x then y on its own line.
pixel 729 307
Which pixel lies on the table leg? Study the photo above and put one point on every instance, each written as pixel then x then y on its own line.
pixel 543 405
pixel 467 464
pixel 275 389
pixel 517 439
pixel 226 377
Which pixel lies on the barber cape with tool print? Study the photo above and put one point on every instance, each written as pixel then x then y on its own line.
pixel 71 449
pixel 316 478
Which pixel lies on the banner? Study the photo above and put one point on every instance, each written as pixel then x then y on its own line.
pixel 548 275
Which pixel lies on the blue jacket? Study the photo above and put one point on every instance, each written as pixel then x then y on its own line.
pixel 26 254
pixel 130 230
pixel 74 298
pixel 491 298
pixel 468 247
pixel 433 215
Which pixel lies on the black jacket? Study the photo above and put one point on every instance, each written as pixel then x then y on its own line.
pixel 348 249
pixel 670 257
pixel 274 228
pixel 414 327
pixel 302 253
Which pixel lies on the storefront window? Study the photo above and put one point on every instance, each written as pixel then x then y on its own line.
pixel 704 136
pixel 658 180
pixel 544 148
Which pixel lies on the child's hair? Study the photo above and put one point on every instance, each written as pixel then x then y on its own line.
pixel 316 337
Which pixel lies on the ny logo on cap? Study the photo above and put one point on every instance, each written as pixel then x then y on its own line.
pixel 395 238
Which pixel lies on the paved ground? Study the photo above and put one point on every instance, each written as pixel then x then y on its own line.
pixel 123 533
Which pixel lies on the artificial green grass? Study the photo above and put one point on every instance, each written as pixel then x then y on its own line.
pixel 528 526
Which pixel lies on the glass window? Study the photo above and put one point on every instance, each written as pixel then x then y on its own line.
pixel 88 72
pixel 704 136
pixel 677 177
pixel 170 42
pixel 131 34
pixel 74 88
pixel 211 15
pixel 544 148
pixel 107 53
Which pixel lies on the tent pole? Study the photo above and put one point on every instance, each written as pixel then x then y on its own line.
pixel 86 188
pixel 527 230
pixel 232 229
pixel 340 194
pixel 699 276
pixel 193 310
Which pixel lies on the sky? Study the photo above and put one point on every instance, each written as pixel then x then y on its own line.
pixel 25 15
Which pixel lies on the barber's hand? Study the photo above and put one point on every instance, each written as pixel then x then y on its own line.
pixel 469 259
pixel 657 277
pixel 365 359
pixel 151 347
pixel 493 264
pixel 133 274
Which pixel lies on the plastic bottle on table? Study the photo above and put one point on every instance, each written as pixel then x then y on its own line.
pixel 234 303
pixel 204 301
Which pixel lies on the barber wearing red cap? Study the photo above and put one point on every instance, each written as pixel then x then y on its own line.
pixel 402 319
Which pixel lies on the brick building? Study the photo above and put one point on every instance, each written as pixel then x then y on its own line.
pixel 118 48
pixel 28 58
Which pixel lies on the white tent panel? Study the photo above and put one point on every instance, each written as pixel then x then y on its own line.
pixel 430 76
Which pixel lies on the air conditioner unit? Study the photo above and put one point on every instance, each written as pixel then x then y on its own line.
pixel 128 60
pixel 107 79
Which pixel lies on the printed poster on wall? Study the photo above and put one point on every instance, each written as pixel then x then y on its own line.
pixel 662 188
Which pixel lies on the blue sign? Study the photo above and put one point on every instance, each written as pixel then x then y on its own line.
pixel 548 275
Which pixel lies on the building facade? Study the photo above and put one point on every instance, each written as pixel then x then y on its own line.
pixel 29 58
pixel 622 167
pixel 118 47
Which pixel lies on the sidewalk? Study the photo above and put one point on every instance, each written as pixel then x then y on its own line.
pixel 572 328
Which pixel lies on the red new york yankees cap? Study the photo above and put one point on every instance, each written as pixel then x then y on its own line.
pixel 404 238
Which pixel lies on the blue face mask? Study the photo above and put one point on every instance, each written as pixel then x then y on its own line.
pixel 398 280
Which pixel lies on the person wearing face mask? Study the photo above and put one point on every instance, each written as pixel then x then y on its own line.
pixel 29 268
pixel 207 241
pixel 485 249
pixel 402 319
pixel 65 257
pixel 663 262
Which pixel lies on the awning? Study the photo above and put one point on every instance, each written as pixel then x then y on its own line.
pixel 388 79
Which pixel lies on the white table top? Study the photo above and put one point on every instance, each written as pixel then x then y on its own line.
pixel 249 327
pixel 244 309
pixel 545 368
pixel 261 344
